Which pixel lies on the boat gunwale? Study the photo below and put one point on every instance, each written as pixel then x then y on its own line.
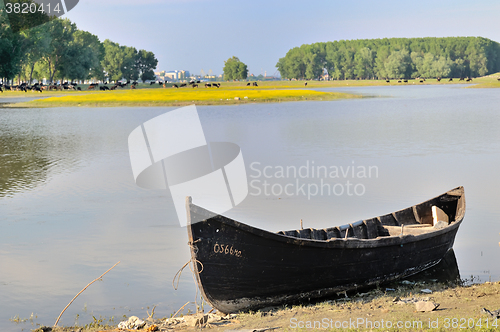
pixel 350 242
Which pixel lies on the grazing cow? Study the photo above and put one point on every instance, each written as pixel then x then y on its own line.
pixel 151 83
pixel 399 81
pixel 132 86
pixel 305 84
pixel 248 84
pixel 37 89
pixel 469 80
pixel 183 85
pixel 114 87
pixel 208 85
pixel 451 79
pixel 195 86
pixel 388 81
pixel 498 79
pixel 461 79
pixel 135 83
pixel 216 85
pixel 175 86
pixel 160 83
pixel 406 81
pixel 254 84
pixel 92 86
pixel 421 81
pixel 103 88
pixel 198 82
pixel 439 79
pixel 78 88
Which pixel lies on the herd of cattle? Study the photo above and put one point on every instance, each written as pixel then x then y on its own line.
pixel 422 79
pixel 39 87
pixel 118 84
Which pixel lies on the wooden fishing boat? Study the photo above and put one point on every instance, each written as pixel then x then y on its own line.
pixel 240 267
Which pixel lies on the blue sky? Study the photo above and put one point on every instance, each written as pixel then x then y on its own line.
pixel 201 34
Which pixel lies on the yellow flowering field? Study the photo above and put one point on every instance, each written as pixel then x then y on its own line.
pixel 183 96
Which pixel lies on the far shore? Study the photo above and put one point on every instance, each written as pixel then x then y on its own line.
pixel 229 93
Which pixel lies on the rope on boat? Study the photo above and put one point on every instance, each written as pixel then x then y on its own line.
pixel 192 268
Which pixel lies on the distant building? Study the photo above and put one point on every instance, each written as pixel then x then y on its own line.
pixel 176 75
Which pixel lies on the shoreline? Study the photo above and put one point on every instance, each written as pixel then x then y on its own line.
pixel 230 93
pixel 389 308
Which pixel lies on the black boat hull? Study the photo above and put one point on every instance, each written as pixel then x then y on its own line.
pixel 240 267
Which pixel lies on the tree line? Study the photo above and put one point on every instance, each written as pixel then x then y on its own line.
pixel 58 50
pixel 393 58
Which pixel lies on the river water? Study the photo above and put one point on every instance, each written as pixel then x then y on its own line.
pixel 69 207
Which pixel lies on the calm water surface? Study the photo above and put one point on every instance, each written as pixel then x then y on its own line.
pixel 69 207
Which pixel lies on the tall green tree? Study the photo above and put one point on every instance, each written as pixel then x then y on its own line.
pixel 146 62
pixel 398 64
pixel 234 69
pixel 112 62
pixel 83 54
pixel 363 60
pixel 37 46
pixel 61 33
pixel 11 49
pixel 129 65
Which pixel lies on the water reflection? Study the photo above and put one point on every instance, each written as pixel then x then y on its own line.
pixel 22 166
pixel 446 271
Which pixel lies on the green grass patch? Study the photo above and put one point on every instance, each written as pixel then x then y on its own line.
pixel 490 81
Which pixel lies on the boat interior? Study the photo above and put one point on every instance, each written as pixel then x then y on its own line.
pixel 418 219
